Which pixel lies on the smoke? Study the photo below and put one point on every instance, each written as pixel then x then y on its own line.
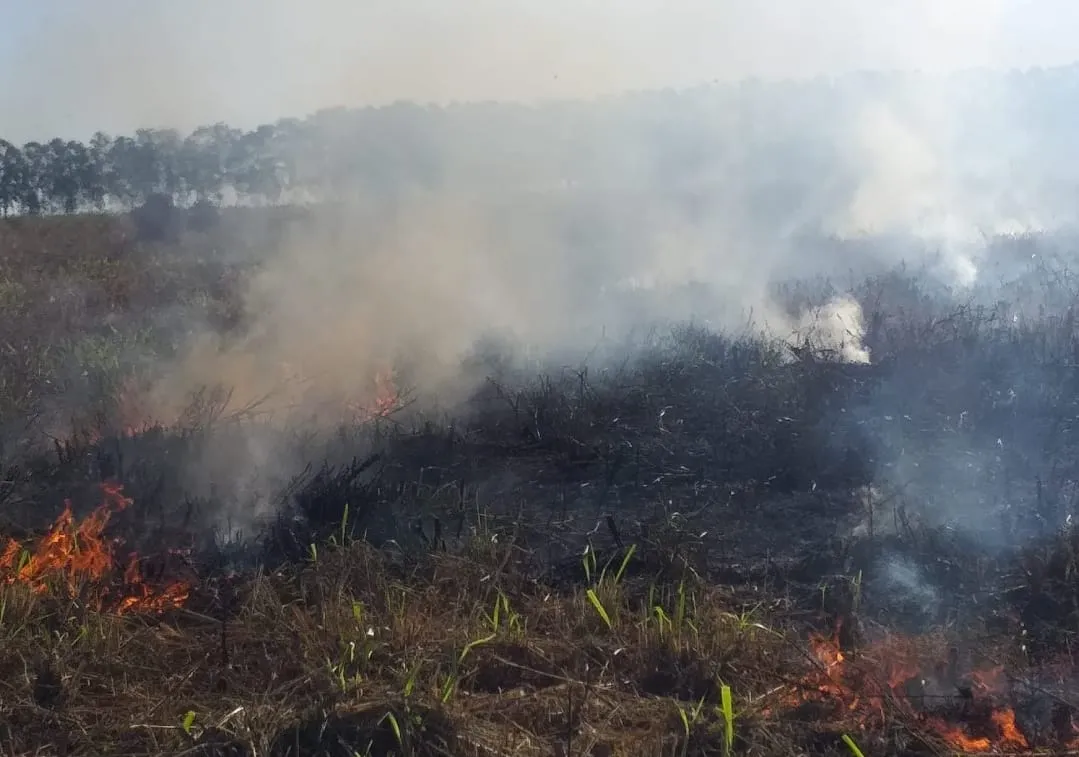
pixel 941 160
pixel 345 298
pixel 419 277
pixel 839 327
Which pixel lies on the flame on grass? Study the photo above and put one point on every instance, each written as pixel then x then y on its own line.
pixel 859 690
pixel 129 416
pixel 384 401
pixel 77 558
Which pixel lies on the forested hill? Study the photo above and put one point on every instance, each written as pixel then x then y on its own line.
pixel 780 143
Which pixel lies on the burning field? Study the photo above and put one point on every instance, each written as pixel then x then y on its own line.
pixel 77 562
pixel 920 681
pixel 464 652
pixel 716 545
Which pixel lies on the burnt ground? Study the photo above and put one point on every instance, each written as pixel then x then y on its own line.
pixel 432 582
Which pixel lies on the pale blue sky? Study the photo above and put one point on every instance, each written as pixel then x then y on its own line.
pixel 68 67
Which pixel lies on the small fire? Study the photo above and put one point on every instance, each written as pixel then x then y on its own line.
pixel 1004 721
pixel 129 417
pixel 858 689
pixel 78 558
pixel 127 431
pixel 386 395
pixel 386 398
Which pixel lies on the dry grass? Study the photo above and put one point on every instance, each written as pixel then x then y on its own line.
pixel 439 658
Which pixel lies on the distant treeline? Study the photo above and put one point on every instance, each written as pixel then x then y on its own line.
pixel 751 132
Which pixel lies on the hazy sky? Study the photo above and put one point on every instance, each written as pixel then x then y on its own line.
pixel 68 67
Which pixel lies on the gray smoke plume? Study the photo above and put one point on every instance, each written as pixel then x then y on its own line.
pixel 422 274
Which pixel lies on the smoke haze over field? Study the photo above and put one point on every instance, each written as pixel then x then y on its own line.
pixel 436 268
pixel 70 68
pixel 515 220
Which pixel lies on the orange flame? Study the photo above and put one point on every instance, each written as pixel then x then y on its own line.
pixel 881 672
pixel 386 395
pixel 386 398
pixel 1004 721
pixel 78 558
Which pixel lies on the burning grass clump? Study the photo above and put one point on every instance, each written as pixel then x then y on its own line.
pixel 78 560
